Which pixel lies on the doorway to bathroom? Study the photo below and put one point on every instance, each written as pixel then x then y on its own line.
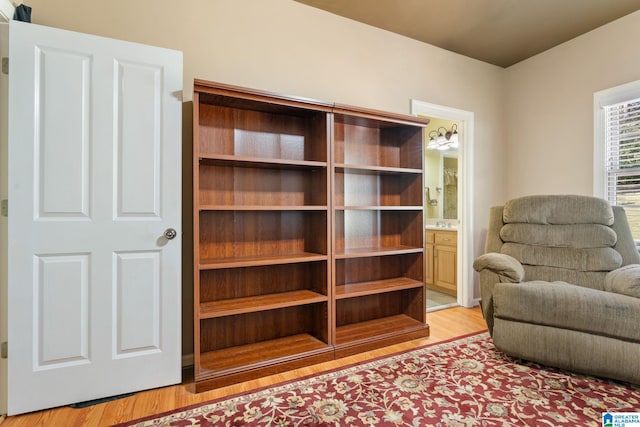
pixel 447 189
pixel 442 143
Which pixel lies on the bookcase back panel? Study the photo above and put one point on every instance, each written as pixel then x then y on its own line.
pixel 234 234
pixel 356 270
pixel 398 146
pixel 231 331
pixel 247 133
pixel 370 307
pixel 244 282
pixel 360 229
pixel 357 188
pixel 247 186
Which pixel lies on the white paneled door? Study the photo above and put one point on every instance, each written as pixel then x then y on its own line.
pixel 94 217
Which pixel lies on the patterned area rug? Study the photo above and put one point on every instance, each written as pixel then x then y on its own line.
pixel 464 382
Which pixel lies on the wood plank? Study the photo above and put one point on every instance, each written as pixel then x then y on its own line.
pixel 230 307
pixel 444 325
pixel 237 96
pixel 247 375
pixel 375 169
pixel 262 208
pixel 234 359
pixel 376 329
pixel 376 118
pixel 260 162
pixel 376 286
pixel 210 264
pixel 377 251
pixel 380 208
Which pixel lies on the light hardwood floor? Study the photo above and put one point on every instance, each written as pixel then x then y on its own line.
pixel 444 324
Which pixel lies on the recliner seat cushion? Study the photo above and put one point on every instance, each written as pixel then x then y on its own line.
pixel 589 279
pixel 567 306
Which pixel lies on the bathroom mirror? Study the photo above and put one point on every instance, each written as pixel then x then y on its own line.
pixel 441 171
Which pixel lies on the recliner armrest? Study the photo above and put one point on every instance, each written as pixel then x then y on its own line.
pixel 506 267
pixel 624 280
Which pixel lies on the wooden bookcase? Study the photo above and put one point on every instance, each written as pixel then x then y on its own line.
pixel 308 232
pixel 378 245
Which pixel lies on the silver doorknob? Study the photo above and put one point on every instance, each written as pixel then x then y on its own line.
pixel 170 233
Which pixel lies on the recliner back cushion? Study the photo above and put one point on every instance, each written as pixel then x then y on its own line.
pixel 558 209
pixel 582 259
pixel 560 236
pixel 560 233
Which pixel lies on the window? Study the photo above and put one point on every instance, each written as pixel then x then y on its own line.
pixel 617 154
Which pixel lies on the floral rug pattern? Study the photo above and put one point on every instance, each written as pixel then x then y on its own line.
pixel 465 382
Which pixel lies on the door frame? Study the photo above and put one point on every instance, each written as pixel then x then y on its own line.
pixel 6 13
pixel 465 294
pixel 6 10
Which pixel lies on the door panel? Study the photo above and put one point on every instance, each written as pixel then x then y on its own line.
pixel 61 155
pixel 94 180
pixel 138 327
pixel 139 104
pixel 62 314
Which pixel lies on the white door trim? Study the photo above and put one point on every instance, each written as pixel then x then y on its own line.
pixel 465 195
pixel 4 191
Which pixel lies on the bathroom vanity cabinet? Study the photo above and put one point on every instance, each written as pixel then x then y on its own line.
pixel 442 260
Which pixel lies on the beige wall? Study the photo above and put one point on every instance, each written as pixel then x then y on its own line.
pixel 533 121
pixel 287 47
pixel 549 108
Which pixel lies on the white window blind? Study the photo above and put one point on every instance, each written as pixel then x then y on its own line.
pixel 622 159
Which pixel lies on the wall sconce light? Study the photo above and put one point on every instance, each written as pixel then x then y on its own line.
pixel 443 139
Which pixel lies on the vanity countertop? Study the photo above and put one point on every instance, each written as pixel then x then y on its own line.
pixel 440 228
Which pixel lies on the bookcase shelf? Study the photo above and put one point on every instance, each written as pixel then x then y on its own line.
pixel 261 208
pixel 227 366
pixel 258 162
pixel 379 208
pixel 340 167
pixel 374 251
pixel 356 337
pixel 236 262
pixel 230 307
pixel 308 232
pixel 375 287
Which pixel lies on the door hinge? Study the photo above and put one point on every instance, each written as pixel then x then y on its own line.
pixel 5 65
pixel 4 207
pixel 4 350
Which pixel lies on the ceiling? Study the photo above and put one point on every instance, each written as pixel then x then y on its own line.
pixel 500 32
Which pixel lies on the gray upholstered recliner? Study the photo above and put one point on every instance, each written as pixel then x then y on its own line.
pixel 560 285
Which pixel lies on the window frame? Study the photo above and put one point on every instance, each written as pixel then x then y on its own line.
pixel 602 99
